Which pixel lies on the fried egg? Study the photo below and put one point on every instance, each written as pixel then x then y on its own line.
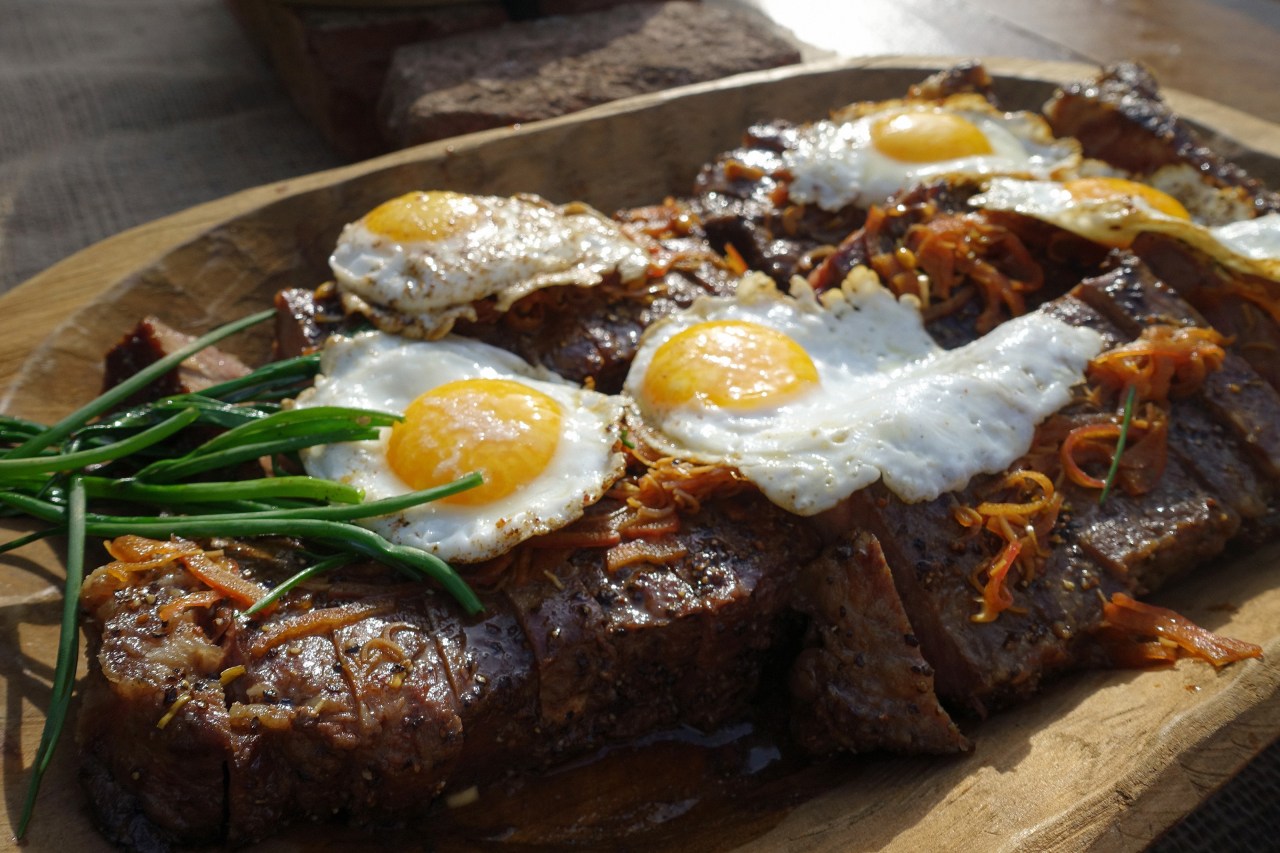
pixel 417 263
pixel 868 152
pixel 1205 200
pixel 814 399
pixel 1114 211
pixel 546 449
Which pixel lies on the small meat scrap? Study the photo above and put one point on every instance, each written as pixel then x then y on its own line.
pixel 152 340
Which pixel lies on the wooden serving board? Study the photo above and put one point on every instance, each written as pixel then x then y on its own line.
pixel 1103 760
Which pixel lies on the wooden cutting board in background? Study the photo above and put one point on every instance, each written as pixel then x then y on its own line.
pixel 1106 759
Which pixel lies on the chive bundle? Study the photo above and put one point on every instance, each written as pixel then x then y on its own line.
pixel 145 457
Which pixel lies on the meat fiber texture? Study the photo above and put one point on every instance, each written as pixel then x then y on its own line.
pixel 539 69
pixel 406 697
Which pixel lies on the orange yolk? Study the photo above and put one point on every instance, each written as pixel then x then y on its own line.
pixel 1103 188
pixel 503 429
pixel 425 216
pixel 730 364
pixel 928 136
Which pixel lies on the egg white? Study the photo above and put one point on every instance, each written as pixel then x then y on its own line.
pixel 890 402
pixel 504 248
pixel 377 371
pixel 1249 246
pixel 835 163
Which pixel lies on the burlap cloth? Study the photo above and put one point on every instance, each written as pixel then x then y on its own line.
pixel 115 112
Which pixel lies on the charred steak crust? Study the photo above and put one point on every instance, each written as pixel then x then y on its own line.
pixel 370 720
pixel 1121 117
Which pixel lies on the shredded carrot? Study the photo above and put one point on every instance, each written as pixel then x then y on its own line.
pixel 1141 464
pixel 138 554
pixel 200 598
pixel 173 710
pixel 652 528
pixel 223 574
pixel 1093 439
pixel 944 259
pixel 1164 360
pixel 967 516
pixel 315 622
pixel 231 673
pixel 734 260
pixel 1026 508
pixel 996 596
pixel 1021 526
pixel 1141 622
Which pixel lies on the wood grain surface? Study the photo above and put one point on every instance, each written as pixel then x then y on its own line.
pixel 1103 760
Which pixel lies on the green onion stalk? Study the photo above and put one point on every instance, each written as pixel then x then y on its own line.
pixel 1125 421
pixel 106 470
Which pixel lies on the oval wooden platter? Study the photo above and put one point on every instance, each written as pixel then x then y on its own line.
pixel 1101 760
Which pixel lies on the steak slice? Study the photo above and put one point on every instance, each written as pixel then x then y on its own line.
pixel 980 667
pixel 362 697
pixel 1131 543
pixel 590 334
pixel 740 197
pixel 1244 408
pixel 1120 117
pixel 861 683
pixel 1236 304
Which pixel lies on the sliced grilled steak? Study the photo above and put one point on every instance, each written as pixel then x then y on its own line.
pixel 1247 407
pixel 1132 542
pixel 1120 117
pixel 364 697
pixel 983 666
pixel 590 334
pixel 861 683
pixel 1239 305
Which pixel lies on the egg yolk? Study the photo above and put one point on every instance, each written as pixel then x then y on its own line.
pixel 1103 188
pixel 505 430
pixel 422 216
pixel 730 364
pixel 928 136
